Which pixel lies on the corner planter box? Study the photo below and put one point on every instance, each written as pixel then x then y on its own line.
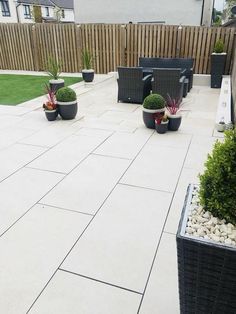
pixel 207 272
pixel 217 68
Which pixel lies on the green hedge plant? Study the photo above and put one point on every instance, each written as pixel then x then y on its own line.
pixel 154 102
pixel 218 182
pixel 53 68
pixel 66 94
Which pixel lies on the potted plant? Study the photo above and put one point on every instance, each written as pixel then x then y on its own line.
pixel 206 238
pixel 87 72
pixel 67 103
pixel 218 59
pixel 220 126
pixel 161 124
pixel 173 107
pixel 50 106
pixel 54 71
pixel 153 105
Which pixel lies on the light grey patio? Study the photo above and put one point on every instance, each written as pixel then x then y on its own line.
pixel 89 208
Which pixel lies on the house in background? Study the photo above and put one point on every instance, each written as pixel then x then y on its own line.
pixel 175 12
pixel 26 11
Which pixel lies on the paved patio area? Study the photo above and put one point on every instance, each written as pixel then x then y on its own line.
pixel 89 208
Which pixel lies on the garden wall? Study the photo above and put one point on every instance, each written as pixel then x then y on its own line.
pixel 27 47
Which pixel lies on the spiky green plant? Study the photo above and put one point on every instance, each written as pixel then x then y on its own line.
pixel 53 67
pixel 87 59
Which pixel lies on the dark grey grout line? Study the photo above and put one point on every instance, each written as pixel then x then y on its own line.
pixel 145 188
pixel 163 228
pixel 50 189
pixel 46 170
pixel 26 144
pixel 109 156
pixel 100 281
pixel 65 209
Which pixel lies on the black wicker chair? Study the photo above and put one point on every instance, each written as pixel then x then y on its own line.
pixel 183 63
pixel 132 87
pixel 168 81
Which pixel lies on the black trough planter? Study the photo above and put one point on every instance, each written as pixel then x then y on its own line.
pixel 67 110
pixel 206 270
pixel 174 122
pixel 51 115
pixel 88 75
pixel 217 69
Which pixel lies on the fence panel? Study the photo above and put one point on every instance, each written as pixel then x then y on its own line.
pixel 28 46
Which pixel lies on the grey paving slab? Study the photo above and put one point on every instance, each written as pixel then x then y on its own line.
pixel 21 191
pixel 187 176
pixel 13 134
pixel 68 154
pixel 87 187
pixel 156 167
pixel 53 134
pixel 124 145
pixel 16 156
pixel 119 245
pixel 70 294
pixel 161 296
pixel 32 251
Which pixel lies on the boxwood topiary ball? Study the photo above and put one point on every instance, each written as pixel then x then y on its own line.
pixel 154 101
pixel 66 94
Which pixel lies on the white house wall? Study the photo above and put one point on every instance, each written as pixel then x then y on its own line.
pixel 69 16
pixel 186 12
pixel 13 17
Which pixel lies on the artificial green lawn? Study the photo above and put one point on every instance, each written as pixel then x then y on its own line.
pixel 15 89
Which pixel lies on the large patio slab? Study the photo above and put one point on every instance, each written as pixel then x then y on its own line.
pixel 90 207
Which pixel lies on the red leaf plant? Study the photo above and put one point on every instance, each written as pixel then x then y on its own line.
pixel 173 104
pixel 51 96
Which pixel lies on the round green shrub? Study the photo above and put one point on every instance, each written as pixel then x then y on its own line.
pixel 154 101
pixel 66 94
pixel 219 46
pixel 218 182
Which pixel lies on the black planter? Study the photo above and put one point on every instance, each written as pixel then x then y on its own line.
pixel 56 84
pixel 149 117
pixel 207 272
pixel 174 122
pixel 161 128
pixel 67 110
pixel 51 115
pixel 88 76
pixel 217 69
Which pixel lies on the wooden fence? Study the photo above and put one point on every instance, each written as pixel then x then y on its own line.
pixel 28 46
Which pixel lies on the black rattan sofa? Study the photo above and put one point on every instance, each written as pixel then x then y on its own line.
pixel 183 63
pixel 132 86
pixel 168 82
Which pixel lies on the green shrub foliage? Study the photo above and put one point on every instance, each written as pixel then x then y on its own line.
pixel 154 101
pixel 219 46
pixel 218 182
pixel 66 94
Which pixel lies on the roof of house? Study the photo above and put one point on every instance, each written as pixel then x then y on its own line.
pixel 39 2
pixel 65 4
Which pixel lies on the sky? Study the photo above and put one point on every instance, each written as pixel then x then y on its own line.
pixel 219 4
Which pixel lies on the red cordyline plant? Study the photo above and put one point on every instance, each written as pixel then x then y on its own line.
pixel 173 104
pixel 51 95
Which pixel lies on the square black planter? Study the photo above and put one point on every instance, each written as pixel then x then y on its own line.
pixel 217 69
pixel 207 272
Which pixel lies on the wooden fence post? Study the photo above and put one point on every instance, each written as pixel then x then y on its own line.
pixel 123 51
pixel 35 49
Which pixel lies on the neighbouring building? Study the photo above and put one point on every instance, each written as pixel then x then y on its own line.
pixel 175 12
pixel 26 11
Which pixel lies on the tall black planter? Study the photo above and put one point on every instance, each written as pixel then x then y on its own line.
pixel 217 68
pixel 88 75
pixel 207 272
pixel 149 117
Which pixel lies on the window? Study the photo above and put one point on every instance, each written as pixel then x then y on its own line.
pixel 47 11
pixel 63 13
pixel 5 7
pixel 27 13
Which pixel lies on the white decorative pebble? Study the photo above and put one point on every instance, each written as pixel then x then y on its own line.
pixel 203 224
